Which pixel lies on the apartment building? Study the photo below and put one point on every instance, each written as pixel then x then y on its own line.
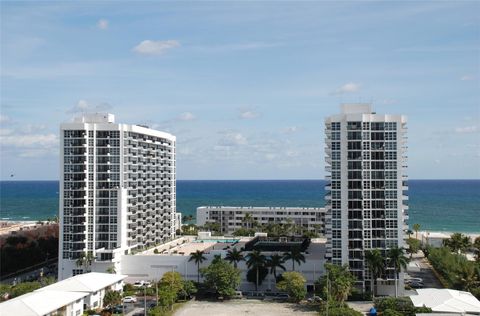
pixel 366 191
pixel 117 192
pixel 232 218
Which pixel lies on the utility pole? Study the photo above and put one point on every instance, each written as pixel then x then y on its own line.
pixel 145 299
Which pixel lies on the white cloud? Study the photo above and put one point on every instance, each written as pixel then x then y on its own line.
pixel 84 106
pixel 290 130
pixel 466 129
pixel 248 115
pixel 29 140
pixel 149 47
pixel 467 77
pixel 4 119
pixel 102 24
pixel 231 139
pixel 186 116
pixel 349 87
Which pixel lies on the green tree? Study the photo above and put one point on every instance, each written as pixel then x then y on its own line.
pixel 198 258
pixel 221 277
pixel 396 257
pixel 413 246
pixel 275 261
pixel 295 254
pixel 376 265
pixel 255 261
pixel 112 298
pixel 166 295
pixel 234 256
pixel 476 246
pixel 294 284
pixel 172 279
pixel 458 242
pixel 416 228
pixel 85 261
pixel 468 277
pixel 337 283
pixel 24 288
pixel 111 269
pixel 188 289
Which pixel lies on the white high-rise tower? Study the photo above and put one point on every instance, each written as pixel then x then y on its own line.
pixel 365 203
pixel 117 192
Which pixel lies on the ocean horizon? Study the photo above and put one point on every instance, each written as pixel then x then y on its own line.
pixel 437 205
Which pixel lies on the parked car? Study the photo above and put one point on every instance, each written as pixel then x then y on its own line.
pixel 409 280
pixel 416 285
pixel 139 283
pixel 118 309
pixel 129 299
pixel 282 297
pixel 238 294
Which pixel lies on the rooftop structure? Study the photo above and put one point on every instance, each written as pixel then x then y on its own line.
pixel 117 191
pixel 231 218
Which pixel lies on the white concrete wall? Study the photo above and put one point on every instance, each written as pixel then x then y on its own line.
pixel 152 267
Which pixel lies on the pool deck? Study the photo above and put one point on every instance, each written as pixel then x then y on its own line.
pixel 205 245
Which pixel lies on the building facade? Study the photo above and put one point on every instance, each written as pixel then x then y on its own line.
pixel 366 190
pixel 231 218
pixel 117 192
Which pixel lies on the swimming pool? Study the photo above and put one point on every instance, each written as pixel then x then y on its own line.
pixel 228 241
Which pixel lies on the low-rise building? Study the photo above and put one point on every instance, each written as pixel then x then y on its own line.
pixel 68 297
pixel 231 218
pixel 175 255
pixel 447 301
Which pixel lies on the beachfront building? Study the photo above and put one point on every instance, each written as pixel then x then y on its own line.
pixel 231 218
pixel 366 190
pixel 71 296
pixel 117 192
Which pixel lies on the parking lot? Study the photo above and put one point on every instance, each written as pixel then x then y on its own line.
pixel 243 307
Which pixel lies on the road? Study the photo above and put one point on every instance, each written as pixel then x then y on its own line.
pixel 426 272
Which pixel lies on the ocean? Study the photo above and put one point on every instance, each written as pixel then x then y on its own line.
pixel 437 205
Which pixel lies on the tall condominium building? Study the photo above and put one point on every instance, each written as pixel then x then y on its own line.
pixel 117 192
pixel 366 190
pixel 231 218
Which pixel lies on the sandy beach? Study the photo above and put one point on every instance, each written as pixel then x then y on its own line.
pixel 7 227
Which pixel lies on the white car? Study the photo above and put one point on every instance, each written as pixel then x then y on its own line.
pixel 139 284
pixel 129 299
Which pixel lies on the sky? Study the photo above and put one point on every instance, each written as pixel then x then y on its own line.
pixel 245 86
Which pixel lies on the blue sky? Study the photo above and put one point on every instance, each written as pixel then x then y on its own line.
pixel 244 86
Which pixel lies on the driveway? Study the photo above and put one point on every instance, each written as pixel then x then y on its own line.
pixel 426 272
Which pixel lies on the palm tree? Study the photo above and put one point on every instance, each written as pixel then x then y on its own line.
pixel 274 262
pixel 81 261
pixel 234 256
pixel 468 277
pixel 111 269
pixel 416 228
pixel 248 219
pixel 376 265
pixel 198 258
pixel 256 260
pixel 295 254
pixel 458 242
pixel 396 256
pixel 88 261
pixel 409 233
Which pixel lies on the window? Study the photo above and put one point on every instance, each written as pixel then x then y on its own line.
pixel 335 126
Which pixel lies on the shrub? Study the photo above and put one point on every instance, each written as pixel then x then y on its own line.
pixel 341 311
pixel 294 284
pixel 391 312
